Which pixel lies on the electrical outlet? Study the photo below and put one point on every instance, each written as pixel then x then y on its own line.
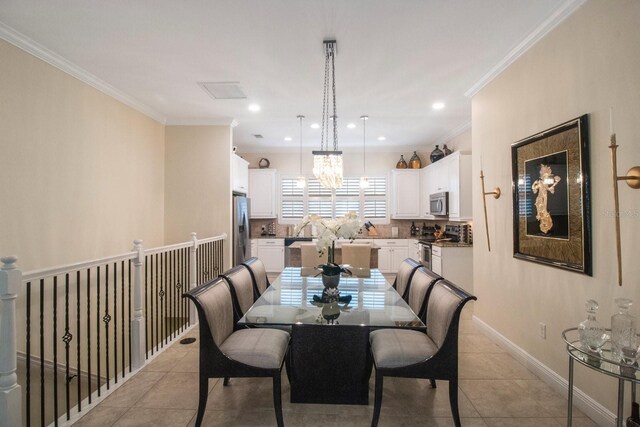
pixel 542 330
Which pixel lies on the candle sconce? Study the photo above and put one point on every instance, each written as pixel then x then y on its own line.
pixel 633 180
pixel 496 195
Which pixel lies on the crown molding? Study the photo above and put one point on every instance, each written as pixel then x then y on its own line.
pixel 211 121
pixel 39 51
pixel 455 132
pixel 536 35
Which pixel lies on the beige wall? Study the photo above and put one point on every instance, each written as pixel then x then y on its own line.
pixel 198 183
pixel 82 174
pixel 587 64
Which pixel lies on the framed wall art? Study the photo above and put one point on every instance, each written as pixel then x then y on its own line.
pixel 551 197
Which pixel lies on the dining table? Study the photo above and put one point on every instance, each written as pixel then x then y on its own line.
pixel 329 359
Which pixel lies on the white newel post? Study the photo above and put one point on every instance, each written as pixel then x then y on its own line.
pixel 193 315
pixel 138 349
pixel 10 394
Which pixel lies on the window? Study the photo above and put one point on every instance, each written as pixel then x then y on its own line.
pixel 369 203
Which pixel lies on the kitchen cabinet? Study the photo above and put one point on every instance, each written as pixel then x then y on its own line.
pixel 262 192
pixel 392 252
pixel 454 263
pixel 413 249
pixel 239 174
pixel 405 193
pixel 451 174
pixel 271 253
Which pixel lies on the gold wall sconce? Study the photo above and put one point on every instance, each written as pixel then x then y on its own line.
pixel 496 195
pixel 633 180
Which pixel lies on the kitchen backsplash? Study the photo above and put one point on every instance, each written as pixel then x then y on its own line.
pixel 384 230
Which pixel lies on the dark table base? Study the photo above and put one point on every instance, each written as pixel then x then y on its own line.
pixel 330 364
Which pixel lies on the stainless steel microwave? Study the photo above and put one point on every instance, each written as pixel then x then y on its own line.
pixel 439 204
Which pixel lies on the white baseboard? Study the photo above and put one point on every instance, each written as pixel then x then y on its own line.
pixel 594 410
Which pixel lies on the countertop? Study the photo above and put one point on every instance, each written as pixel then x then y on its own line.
pixel 452 244
pixel 296 245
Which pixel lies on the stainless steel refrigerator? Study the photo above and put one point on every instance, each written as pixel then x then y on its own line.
pixel 241 229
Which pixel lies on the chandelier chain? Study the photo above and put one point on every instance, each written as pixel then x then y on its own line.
pixel 333 86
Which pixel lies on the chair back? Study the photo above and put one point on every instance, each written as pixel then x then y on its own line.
pixel 445 303
pixel 419 288
pixel 310 257
pixel 241 283
pixel 215 310
pixel 258 274
pixel 403 277
pixel 357 255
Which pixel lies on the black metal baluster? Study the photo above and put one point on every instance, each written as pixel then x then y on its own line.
pixel 129 317
pixel 157 341
pixel 98 327
pixel 106 319
pixel 164 300
pixel 66 338
pixel 174 318
pixel 146 307
pixel 189 284
pixel 122 306
pixel 55 349
pixel 170 290
pixel 115 323
pixel 181 285
pixel 28 361
pixel 78 358
pixel 89 334
pixel 42 389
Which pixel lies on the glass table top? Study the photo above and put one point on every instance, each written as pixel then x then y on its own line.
pixel 290 300
pixel 603 361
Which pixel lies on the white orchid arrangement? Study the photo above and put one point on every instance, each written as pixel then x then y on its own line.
pixel 330 230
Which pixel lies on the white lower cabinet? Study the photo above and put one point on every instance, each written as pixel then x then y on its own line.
pixel 271 253
pixel 392 252
pixel 455 264
pixel 254 247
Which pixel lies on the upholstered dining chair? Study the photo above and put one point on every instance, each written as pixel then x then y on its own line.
pixel 242 289
pixel 310 257
pixel 416 354
pixel 357 255
pixel 258 274
pixel 418 290
pixel 258 352
pixel 404 275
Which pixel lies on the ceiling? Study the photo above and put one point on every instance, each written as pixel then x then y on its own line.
pixel 395 59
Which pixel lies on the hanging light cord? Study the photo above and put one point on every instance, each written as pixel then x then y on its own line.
pixel 364 149
pixel 300 118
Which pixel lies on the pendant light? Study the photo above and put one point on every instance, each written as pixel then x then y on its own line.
pixel 364 180
pixel 327 163
pixel 300 182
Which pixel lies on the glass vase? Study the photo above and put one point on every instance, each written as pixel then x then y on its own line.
pixel 415 162
pixel 624 343
pixel 592 334
pixel 402 164
pixel 436 155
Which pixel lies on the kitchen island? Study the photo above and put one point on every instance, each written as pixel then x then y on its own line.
pixel 294 257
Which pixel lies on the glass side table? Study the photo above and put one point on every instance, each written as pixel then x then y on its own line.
pixel 604 364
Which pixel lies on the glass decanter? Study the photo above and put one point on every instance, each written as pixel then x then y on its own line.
pixel 592 334
pixel 624 343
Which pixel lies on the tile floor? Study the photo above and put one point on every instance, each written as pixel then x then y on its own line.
pixel 495 390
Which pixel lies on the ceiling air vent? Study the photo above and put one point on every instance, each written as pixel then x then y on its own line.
pixel 257 135
pixel 223 90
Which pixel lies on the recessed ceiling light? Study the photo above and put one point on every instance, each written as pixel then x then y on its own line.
pixel 438 105
pixel 287 138
pixel 351 125
pixel 315 126
pixel 254 107
pixel 381 138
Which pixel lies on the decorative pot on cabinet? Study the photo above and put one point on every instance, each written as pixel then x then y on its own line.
pixel 436 155
pixel 402 164
pixel 415 162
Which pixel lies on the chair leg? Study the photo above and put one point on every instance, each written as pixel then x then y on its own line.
pixel 203 393
pixel 277 399
pixel 433 383
pixel 453 401
pixel 377 404
pixel 225 382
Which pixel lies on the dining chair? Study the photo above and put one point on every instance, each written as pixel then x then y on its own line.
pixel 258 274
pixel 357 255
pixel 418 290
pixel 415 354
pixel 310 257
pixel 403 276
pixel 242 289
pixel 223 353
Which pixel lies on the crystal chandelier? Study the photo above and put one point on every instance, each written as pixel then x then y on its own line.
pixel 327 164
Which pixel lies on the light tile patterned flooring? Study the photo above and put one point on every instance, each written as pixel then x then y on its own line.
pixel 494 390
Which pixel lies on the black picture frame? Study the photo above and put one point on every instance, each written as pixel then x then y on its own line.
pixel 551 197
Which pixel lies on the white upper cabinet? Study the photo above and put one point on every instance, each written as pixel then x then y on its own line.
pixel 452 174
pixel 239 174
pixel 262 193
pixel 405 187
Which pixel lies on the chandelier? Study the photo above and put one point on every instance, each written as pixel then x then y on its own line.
pixel 327 163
